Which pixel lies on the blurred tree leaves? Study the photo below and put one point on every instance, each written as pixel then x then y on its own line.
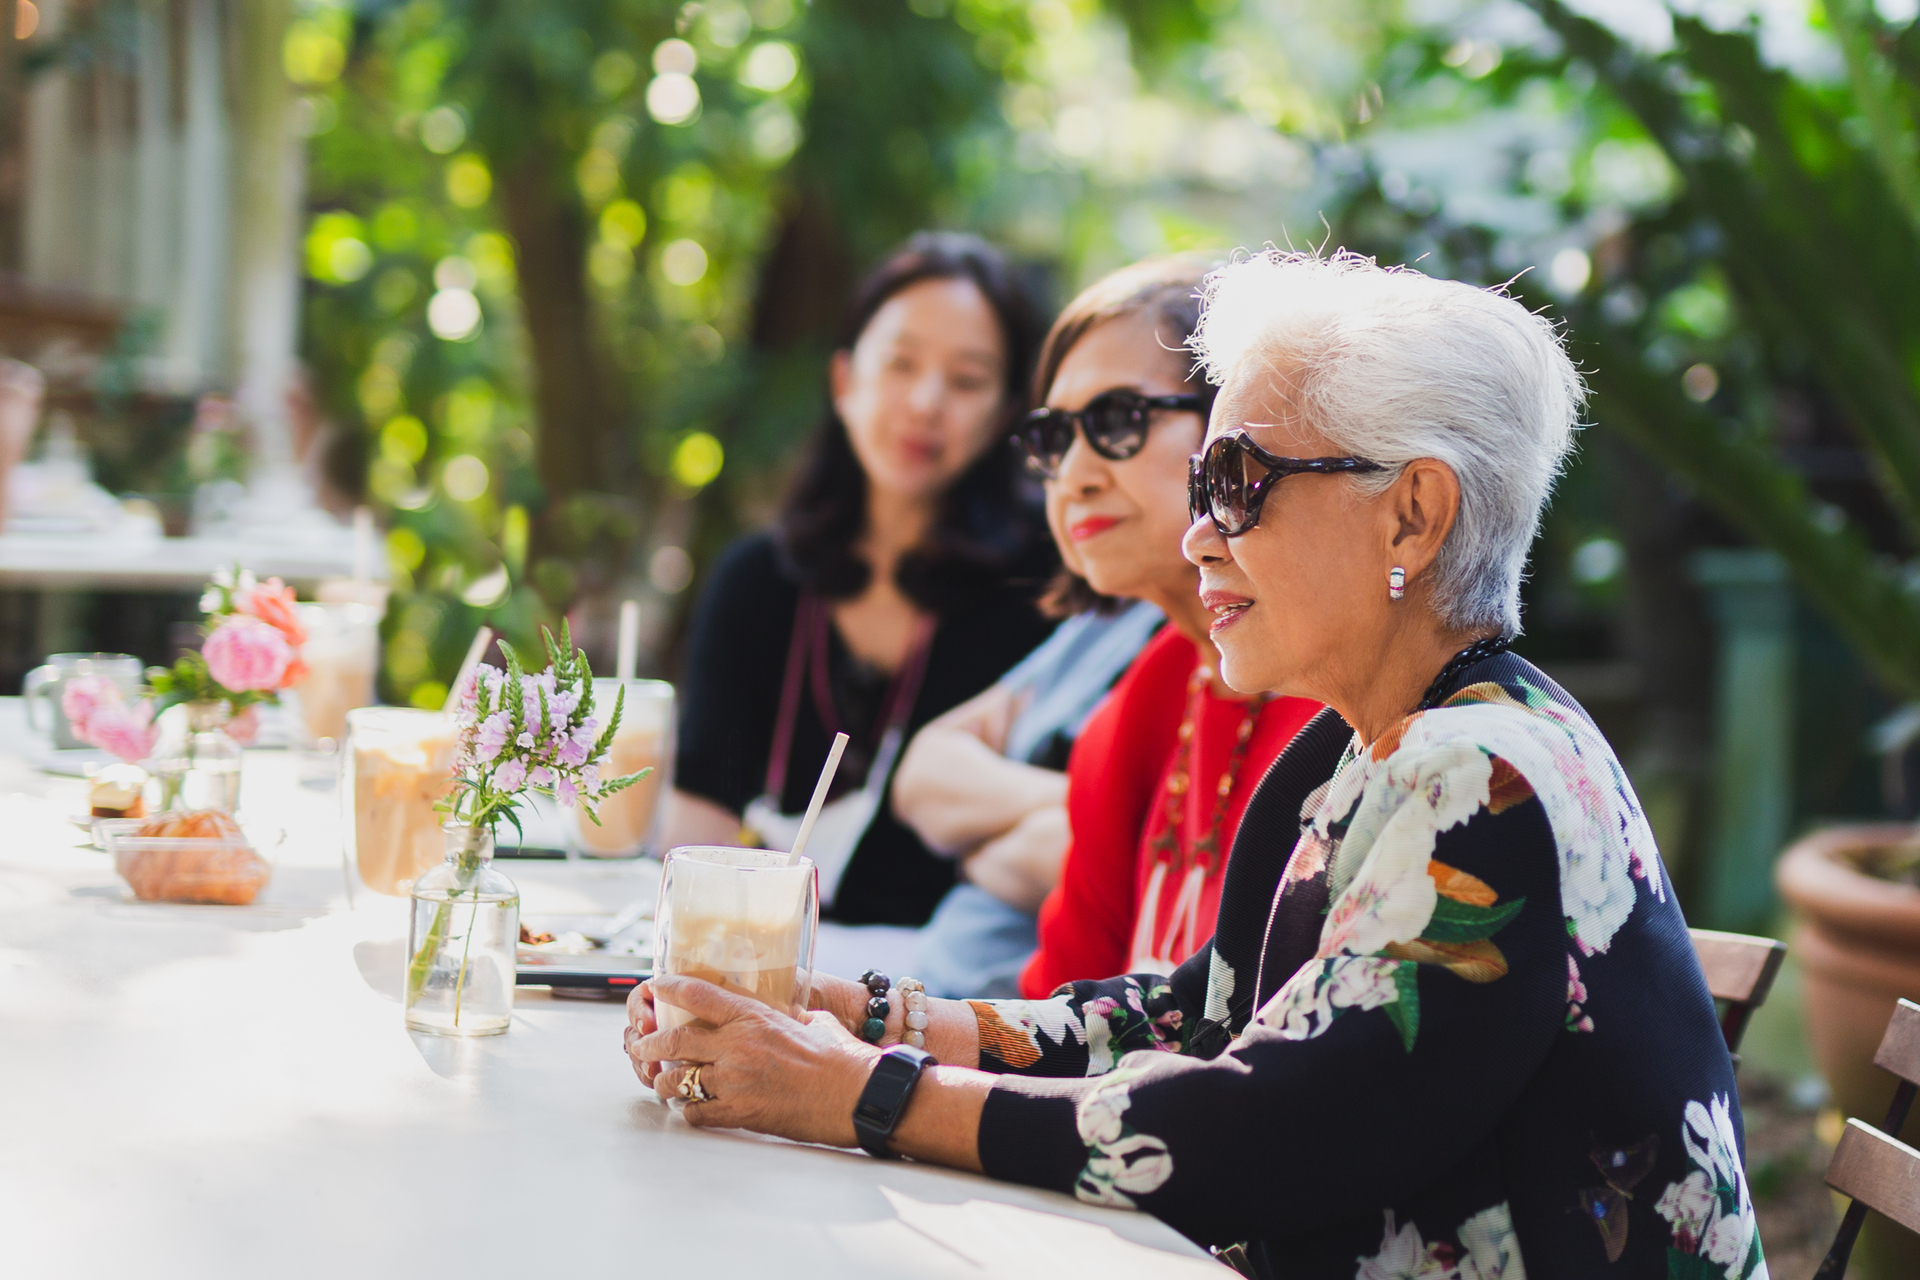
pixel 1799 209
pixel 575 264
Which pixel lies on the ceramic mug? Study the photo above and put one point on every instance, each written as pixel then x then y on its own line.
pixel 49 683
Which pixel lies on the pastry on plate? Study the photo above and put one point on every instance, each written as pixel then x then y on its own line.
pixel 116 792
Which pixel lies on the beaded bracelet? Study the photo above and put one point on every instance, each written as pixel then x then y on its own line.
pixel 913 994
pixel 874 1029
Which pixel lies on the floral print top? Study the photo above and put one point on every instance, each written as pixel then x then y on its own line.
pixel 1451 1026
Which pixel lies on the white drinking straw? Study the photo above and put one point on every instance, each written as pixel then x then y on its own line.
pixel 629 651
pixel 819 797
pixel 362 549
pixel 481 639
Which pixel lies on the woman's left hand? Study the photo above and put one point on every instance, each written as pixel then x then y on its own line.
pixel 761 1069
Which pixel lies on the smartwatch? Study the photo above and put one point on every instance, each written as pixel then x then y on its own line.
pixel 884 1100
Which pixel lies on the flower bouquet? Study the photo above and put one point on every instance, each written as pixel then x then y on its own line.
pixel 520 733
pixel 251 653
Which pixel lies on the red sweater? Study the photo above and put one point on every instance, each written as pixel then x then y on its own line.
pixel 1116 805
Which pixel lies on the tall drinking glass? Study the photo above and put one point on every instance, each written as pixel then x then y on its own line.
pixel 398 764
pixel 743 919
pixel 630 819
pixel 342 654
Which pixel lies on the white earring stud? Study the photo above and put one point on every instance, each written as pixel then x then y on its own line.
pixel 1396 583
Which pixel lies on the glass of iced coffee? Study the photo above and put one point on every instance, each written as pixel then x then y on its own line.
pixel 630 819
pixel 743 919
pixel 397 765
pixel 342 654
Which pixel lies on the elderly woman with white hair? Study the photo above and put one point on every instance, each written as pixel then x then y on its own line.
pixel 1450 1024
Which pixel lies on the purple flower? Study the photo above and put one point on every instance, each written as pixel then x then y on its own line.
pixel 590 779
pixel 525 739
pixel 541 776
pixel 510 776
pixel 565 792
pixel 573 753
pixel 490 737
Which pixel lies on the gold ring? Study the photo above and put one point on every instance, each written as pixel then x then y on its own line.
pixel 690 1087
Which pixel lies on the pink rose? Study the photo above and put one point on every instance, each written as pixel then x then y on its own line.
pixel 126 731
pixel 244 653
pixel 83 696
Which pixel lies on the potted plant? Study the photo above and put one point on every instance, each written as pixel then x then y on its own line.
pixel 1855 894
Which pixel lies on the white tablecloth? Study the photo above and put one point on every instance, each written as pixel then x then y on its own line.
pixel 206 1092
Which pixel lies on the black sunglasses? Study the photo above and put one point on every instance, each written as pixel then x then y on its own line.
pixel 1114 422
pixel 1223 486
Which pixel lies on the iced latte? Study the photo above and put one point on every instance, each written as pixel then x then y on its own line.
pixel 742 919
pixel 398 765
pixel 342 654
pixel 629 820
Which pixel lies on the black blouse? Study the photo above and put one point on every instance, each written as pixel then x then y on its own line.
pixel 730 694
pixel 1451 1025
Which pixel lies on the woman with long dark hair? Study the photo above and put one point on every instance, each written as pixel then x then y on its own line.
pixel 898 582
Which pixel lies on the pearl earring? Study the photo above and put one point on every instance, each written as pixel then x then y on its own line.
pixel 1396 583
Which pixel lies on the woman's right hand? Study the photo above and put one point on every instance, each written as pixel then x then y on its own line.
pixel 842 998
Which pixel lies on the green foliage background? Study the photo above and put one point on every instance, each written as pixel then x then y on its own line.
pixel 1725 227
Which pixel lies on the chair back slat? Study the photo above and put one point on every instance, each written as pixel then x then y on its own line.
pixel 1740 969
pixel 1881 1172
pixel 1900 1049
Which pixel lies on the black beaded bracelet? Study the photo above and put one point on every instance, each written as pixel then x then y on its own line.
pixel 874 1029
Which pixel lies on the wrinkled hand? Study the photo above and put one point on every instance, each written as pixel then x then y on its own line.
pixel 764 1070
pixel 843 998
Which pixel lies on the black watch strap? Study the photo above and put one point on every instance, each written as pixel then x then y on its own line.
pixel 884 1100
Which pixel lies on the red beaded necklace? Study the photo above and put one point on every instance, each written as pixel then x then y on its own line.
pixel 1169 849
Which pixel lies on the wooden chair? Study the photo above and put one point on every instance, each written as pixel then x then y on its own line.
pixel 1878 1170
pixel 1740 970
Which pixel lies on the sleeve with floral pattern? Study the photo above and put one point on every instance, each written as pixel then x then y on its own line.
pixel 1436 990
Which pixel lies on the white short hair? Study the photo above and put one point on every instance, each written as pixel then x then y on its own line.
pixel 1392 365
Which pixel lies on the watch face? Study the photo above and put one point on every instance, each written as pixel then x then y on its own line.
pixel 889 1087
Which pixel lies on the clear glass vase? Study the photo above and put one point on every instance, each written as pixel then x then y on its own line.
pixel 462 940
pixel 197 764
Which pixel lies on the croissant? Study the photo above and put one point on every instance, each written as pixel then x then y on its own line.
pixel 206 859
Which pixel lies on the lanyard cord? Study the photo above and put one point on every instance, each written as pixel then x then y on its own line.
pixel 811 620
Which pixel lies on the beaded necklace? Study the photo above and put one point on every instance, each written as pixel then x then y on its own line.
pixel 1169 849
pixel 1478 651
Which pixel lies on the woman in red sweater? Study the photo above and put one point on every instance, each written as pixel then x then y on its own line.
pixel 1159 777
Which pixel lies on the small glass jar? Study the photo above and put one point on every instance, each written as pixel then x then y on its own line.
pixel 197 764
pixel 462 941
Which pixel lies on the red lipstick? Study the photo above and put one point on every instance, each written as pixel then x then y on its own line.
pixel 1226 606
pixel 1081 530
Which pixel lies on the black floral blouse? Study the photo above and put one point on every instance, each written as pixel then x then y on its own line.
pixel 1451 1026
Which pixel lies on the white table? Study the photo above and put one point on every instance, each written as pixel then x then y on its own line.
pixel 103 562
pixel 208 1092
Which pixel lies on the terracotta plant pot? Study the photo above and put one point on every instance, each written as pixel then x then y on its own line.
pixel 1858 944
